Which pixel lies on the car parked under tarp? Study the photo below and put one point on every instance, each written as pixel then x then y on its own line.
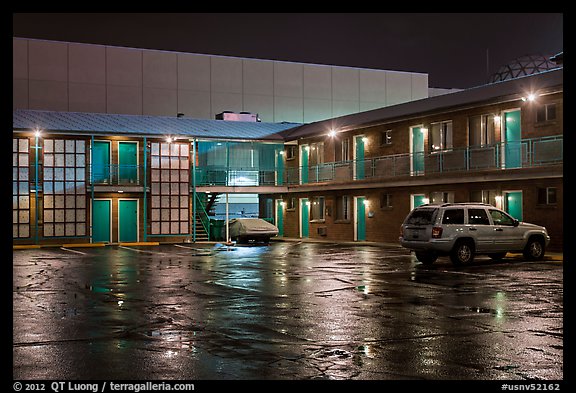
pixel 244 230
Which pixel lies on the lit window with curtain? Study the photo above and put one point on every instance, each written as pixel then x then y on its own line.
pixel 440 136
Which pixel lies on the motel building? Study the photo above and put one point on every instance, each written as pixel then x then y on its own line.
pixel 114 162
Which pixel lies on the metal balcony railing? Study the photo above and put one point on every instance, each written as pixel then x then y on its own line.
pixel 116 175
pixel 526 153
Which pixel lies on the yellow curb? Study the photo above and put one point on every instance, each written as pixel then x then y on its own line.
pixel 25 246
pixel 547 257
pixel 77 245
pixel 140 244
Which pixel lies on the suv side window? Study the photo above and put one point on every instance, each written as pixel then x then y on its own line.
pixel 478 217
pixel 453 216
pixel 500 218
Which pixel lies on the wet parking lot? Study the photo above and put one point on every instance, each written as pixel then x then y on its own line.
pixel 289 310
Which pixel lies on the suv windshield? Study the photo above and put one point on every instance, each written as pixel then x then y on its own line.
pixel 422 217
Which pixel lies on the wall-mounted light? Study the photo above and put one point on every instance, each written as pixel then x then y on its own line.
pixel 283 204
pixel 366 202
pixel 497 119
pixel 37 133
pixel 169 139
pixel 425 201
pixel 332 133
pixel 531 97
pixel 120 191
pixel 365 140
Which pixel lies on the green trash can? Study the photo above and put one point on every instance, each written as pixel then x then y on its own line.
pixel 216 229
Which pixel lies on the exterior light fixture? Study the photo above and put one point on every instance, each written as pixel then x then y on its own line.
pixel 365 140
pixel 37 133
pixel 366 203
pixel 283 204
pixel 531 97
pixel 497 118
pixel 423 130
pixel 169 139
pixel 332 133
pixel 425 201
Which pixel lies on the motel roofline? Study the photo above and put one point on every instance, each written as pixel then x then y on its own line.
pixel 106 124
pixel 543 83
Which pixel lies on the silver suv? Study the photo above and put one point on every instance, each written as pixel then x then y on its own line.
pixel 462 230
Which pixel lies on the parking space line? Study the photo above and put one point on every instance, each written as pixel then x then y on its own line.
pixel 76 251
pixel 144 251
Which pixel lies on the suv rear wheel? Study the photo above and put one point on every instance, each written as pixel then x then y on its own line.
pixel 427 258
pixel 463 252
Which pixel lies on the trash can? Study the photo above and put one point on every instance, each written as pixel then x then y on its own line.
pixel 216 229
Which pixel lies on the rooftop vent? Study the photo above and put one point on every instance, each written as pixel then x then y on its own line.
pixel 242 116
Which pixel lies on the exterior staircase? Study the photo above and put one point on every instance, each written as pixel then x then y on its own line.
pixel 204 210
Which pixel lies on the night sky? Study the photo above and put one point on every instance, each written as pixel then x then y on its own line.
pixel 451 48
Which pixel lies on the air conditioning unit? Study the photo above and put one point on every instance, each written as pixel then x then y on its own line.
pixel 322 231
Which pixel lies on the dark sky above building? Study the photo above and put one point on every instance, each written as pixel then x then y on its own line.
pixel 456 50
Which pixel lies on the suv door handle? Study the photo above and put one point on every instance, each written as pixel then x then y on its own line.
pixel 472 229
pixel 498 229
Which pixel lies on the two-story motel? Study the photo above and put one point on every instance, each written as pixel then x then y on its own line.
pixel 112 178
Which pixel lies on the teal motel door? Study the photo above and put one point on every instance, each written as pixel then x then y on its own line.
pixel 279 167
pixel 304 217
pixel 127 220
pixel 101 220
pixel 359 157
pixel 512 140
pixel 280 217
pixel 127 163
pixel 101 162
pixel 513 204
pixel 304 153
pixel 417 150
pixel 360 219
pixel 418 200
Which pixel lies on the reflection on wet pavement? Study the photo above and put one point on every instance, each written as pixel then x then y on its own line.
pixel 284 311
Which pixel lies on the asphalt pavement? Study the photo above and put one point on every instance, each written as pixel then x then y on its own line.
pixel 289 310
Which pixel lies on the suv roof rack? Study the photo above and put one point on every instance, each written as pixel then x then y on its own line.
pixel 464 204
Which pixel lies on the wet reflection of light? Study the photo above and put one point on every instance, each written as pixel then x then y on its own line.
pixel 499 306
pixel 120 303
pixel 170 353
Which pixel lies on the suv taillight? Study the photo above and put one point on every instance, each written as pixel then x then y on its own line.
pixel 436 232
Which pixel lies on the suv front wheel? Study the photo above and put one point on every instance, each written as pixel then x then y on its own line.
pixel 463 252
pixel 535 249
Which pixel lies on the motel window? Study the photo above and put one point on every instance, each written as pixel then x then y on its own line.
pixel 441 136
pixel 345 150
pixel 291 152
pixel 317 209
pixel 20 188
pixel 483 196
pixel 64 185
pixel 547 196
pixel 385 201
pixel 545 112
pixel 317 153
pixel 386 138
pixel 481 130
pixel 442 197
pixel 343 208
